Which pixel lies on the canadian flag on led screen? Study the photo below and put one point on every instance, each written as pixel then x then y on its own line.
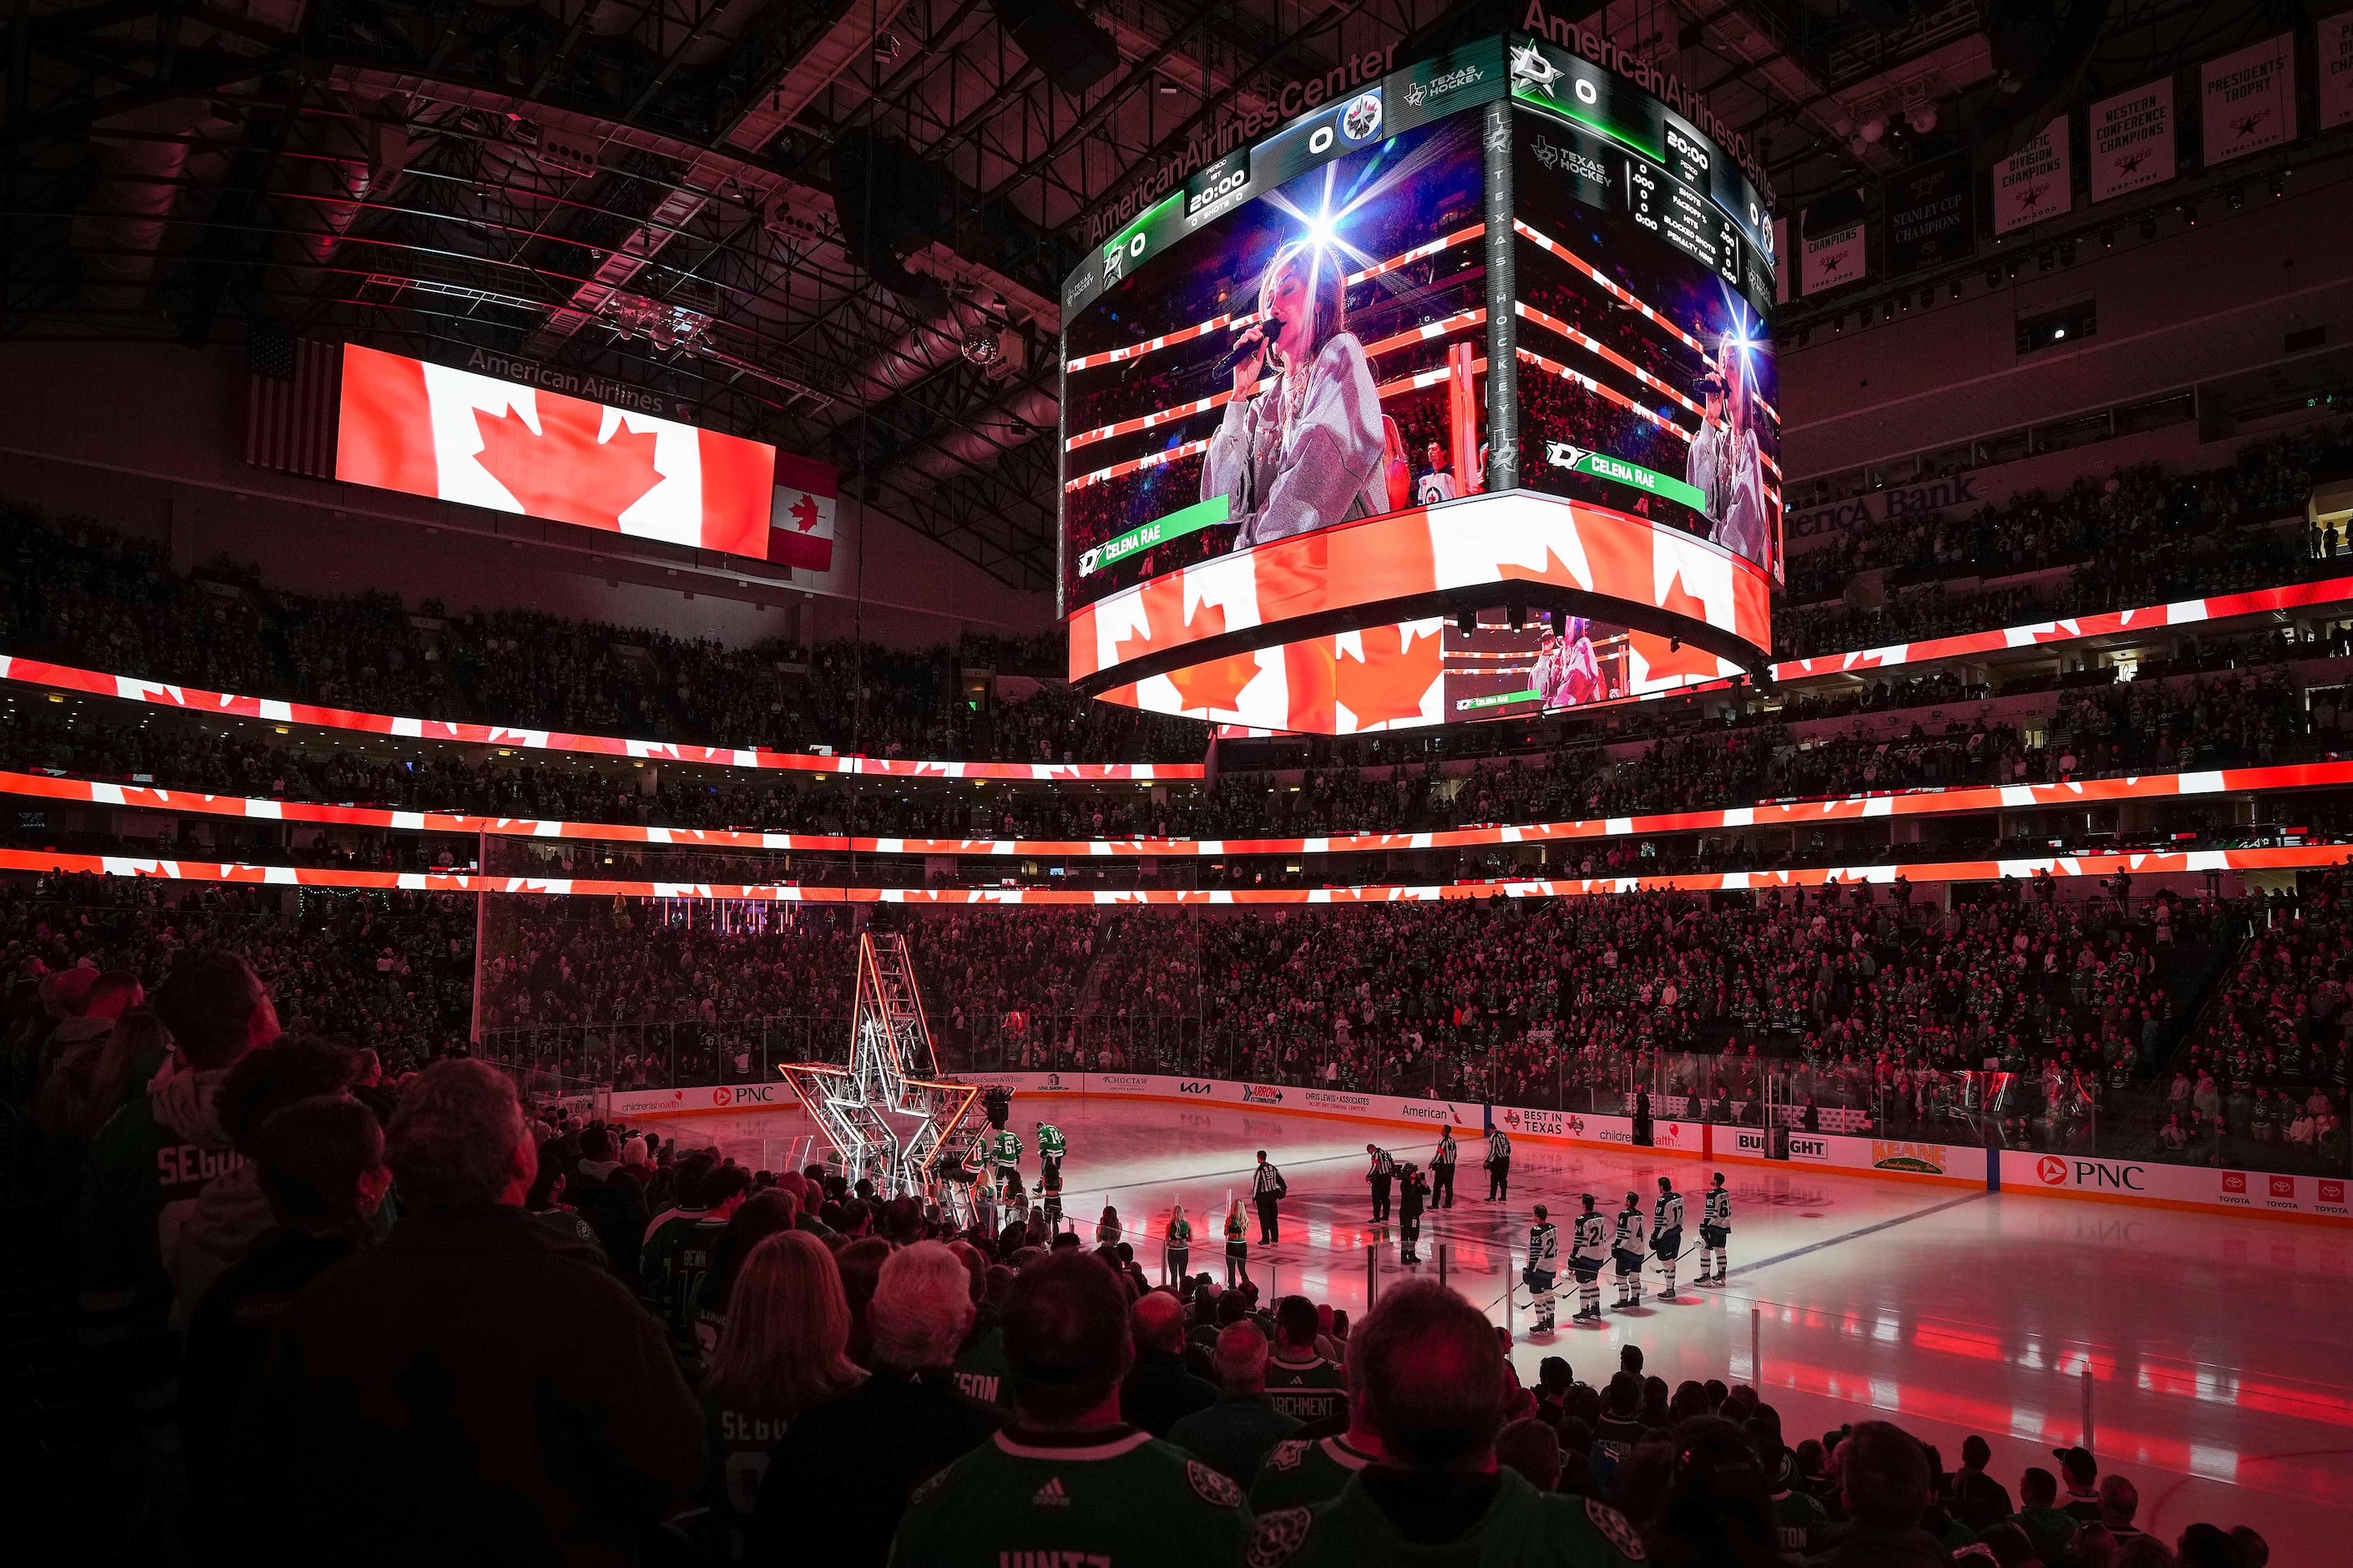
pixel 434 431
pixel 800 531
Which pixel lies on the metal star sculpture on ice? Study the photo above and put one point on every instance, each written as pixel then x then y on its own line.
pixel 886 1124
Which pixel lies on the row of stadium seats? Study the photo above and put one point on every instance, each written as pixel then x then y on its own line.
pixel 78 593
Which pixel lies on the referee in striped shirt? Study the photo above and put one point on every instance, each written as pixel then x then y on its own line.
pixel 1267 1186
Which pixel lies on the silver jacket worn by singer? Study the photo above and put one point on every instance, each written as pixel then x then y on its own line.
pixel 1325 468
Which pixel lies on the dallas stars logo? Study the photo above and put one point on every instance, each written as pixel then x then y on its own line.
pixel 1561 455
pixel 1532 70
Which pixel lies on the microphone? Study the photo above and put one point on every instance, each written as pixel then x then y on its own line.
pixel 1244 345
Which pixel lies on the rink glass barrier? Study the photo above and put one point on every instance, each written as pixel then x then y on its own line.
pixel 1762 1109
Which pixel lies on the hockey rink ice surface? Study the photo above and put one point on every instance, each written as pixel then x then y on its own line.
pixel 2221 1350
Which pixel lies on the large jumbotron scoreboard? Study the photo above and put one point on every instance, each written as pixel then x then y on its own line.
pixel 1492 334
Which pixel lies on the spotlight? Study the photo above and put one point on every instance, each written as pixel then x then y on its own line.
pixel 2189 214
pixel 2236 196
pixel 2149 226
pixel 2107 239
pixel 1887 310
pixel 2067 254
pixel 1922 119
pixel 1957 288
pixel 2046 260
pixel 1517 615
pixel 1993 277
pixel 1466 621
pixel 1874 128
pixel 2279 184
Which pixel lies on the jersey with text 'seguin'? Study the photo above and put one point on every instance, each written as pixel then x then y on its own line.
pixel 1126 1498
pixel 1522 1528
pixel 1006 1149
pixel 1051 1141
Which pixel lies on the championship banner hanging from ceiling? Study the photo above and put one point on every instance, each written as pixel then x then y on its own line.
pixel 2131 138
pixel 2032 183
pixel 1927 215
pixel 2333 71
pixel 1832 230
pixel 2247 100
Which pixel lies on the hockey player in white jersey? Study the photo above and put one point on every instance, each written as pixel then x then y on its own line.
pixel 1587 1256
pixel 1627 1249
pixel 1667 1234
pixel 1542 1272
pixel 1715 1232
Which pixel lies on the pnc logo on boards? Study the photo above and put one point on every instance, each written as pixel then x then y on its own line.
pixel 723 1097
pixel 1192 1086
pixel 2054 1172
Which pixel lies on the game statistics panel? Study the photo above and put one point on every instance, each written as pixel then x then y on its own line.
pixel 1284 500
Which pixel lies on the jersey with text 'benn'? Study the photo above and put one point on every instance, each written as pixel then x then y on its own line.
pixel 1118 1498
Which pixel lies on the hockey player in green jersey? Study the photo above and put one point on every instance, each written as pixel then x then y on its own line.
pixel 1003 1155
pixel 1069 1481
pixel 1052 1144
pixel 1433 1379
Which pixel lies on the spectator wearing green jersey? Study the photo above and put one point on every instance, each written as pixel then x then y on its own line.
pixel 1234 1434
pixel 1068 1480
pixel 1434 1384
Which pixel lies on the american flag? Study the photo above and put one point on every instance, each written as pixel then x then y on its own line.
pixel 290 393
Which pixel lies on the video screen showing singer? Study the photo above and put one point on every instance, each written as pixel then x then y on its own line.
pixel 1307 452
pixel 1726 463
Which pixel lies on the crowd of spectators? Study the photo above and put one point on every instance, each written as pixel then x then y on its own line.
pixel 2135 538
pixel 77 593
pixel 2222 702
pixel 2268 1070
pixel 2022 1019
pixel 405 1316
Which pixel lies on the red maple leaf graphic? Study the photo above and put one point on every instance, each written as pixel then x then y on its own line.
pixel 1214 684
pixel 563 472
pixel 804 512
pixel 1665 661
pixel 1389 682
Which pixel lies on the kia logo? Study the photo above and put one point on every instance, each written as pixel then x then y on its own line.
pixel 2050 1170
pixel 1192 1087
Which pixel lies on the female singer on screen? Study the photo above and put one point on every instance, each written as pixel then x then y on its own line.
pixel 1726 461
pixel 1310 451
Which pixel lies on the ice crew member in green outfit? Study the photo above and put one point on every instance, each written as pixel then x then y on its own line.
pixel 1067 1482
pixel 1433 1382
